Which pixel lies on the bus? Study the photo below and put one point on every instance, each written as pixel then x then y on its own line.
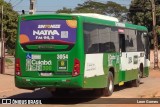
pixel 79 51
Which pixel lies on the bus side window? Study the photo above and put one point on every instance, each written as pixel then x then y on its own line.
pixel 122 43
pixel 107 47
pixel 94 48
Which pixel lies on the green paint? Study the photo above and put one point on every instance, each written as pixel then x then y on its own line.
pixel 121 76
pixel 47 47
pixel 128 75
pixel 105 63
pixel 95 82
pixel 30 82
pixel 77 52
pixel 62 65
pixel 131 75
pixel 109 60
pixel 114 62
pixel 146 72
pixel 47 68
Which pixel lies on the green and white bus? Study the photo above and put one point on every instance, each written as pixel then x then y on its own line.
pixel 79 51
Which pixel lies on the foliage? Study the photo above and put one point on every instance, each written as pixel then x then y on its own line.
pixel 11 52
pixel 64 10
pixel 9 24
pixel 158 30
pixel 116 10
pixel 109 8
pixel 140 12
pixel 91 7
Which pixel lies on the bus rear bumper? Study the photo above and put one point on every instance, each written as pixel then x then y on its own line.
pixel 31 82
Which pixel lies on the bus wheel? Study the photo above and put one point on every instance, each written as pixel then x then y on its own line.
pixel 110 87
pixel 136 82
pixel 141 74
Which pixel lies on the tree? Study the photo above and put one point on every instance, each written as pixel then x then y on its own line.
pixel 9 24
pixel 116 10
pixel 91 7
pixel 109 8
pixel 140 13
pixel 64 10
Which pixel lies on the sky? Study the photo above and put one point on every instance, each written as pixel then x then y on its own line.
pixel 54 5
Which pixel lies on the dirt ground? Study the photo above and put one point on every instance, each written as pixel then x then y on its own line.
pixel 154 73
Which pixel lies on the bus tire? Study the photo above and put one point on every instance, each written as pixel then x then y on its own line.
pixel 141 74
pixel 136 82
pixel 107 91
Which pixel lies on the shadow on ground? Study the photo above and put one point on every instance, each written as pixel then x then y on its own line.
pixel 65 98
pixel 125 86
pixel 77 97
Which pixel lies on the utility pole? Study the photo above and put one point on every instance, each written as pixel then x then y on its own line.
pixel 155 35
pixel 32 7
pixel 2 45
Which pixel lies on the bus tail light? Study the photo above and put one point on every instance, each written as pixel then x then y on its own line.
pixel 17 67
pixel 76 69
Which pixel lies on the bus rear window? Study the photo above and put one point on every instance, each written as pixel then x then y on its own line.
pixel 47 35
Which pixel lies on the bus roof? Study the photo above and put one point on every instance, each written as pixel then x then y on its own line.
pixel 98 16
pixel 93 18
pixel 112 21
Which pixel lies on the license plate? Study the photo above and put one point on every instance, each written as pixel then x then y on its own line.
pixel 46 74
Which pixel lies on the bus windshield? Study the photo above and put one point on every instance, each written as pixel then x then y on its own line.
pixel 47 35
